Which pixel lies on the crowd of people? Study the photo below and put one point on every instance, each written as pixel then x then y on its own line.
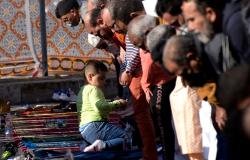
pixel 193 57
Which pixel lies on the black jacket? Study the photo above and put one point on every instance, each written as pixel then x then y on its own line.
pixel 235 29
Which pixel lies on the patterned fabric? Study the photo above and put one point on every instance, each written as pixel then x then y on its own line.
pixel 132 57
pixel 185 105
pixel 67 49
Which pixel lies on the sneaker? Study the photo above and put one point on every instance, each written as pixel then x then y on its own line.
pixel 72 95
pixel 56 95
pixel 68 95
pixel 98 145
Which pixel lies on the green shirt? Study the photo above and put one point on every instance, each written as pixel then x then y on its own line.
pixel 92 105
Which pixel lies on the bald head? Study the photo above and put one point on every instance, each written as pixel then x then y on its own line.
pixel 177 47
pixel 139 27
pixel 156 40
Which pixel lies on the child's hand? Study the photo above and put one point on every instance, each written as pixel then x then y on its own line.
pixel 123 103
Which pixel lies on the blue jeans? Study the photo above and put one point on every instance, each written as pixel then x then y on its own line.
pixel 112 135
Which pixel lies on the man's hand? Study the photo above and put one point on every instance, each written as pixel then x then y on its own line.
pixel 220 117
pixel 125 79
pixel 148 94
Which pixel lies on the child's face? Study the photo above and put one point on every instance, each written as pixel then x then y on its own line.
pixel 98 79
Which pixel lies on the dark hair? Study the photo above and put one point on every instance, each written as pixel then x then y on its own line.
pixel 64 7
pixel 201 5
pixel 157 38
pixel 172 7
pixel 121 9
pixel 99 3
pixel 94 14
pixel 234 86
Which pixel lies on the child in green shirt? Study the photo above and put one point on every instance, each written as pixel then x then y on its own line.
pixel 94 109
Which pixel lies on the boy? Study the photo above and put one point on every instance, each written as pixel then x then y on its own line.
pixel 94 110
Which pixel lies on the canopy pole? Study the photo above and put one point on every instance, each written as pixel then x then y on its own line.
pixel 43 37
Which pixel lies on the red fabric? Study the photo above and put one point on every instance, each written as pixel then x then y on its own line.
pixel 143 119
pixel 152 73
pixel 119 39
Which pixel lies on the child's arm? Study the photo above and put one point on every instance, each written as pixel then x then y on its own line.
pixel 99 102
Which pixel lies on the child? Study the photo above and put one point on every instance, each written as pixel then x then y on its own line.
pixel 94 110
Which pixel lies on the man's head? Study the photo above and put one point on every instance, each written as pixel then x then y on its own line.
pixel 156 40
pixel 180 58
pixel 139 27
pixel 68 12
pixel 118 14
pixel 203 17
pixel 169 11
pixel 94 73
pixel 93 24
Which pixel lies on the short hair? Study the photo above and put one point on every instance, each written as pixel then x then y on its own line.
pixel 201 5
pixel 142 25
pixel 98 3
pixel 94 15
pixel 234 86
pixel 156 40
pixel 121 9
pixel 172 7
pixel 177 47
pixel 94 66
pixel 64 7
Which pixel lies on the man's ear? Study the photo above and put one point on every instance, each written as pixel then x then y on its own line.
pixel 193 60
pixel 99 21
pixel 135 14
pixel 210 14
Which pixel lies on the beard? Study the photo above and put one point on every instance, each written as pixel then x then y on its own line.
pixel 207 33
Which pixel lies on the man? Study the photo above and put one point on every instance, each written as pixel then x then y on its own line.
pixel 181 58
pixel 235 97
pixel 156 40
pixel 93 24
pixel 156 84
pixel 205 18
pixel 68 12
pixel 170 12
pixel 117 15
pixel 72 12
pixel 186 111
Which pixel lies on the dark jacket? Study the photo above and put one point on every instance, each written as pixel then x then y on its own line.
pixel 235 29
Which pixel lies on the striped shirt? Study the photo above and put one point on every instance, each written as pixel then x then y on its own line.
pixel 132 57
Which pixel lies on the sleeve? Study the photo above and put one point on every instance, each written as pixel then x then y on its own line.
pixel 146 63
pixel 99 103
pixel 132 57
pixel 237 36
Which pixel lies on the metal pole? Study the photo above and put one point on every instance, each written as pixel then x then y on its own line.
pixel 43 37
